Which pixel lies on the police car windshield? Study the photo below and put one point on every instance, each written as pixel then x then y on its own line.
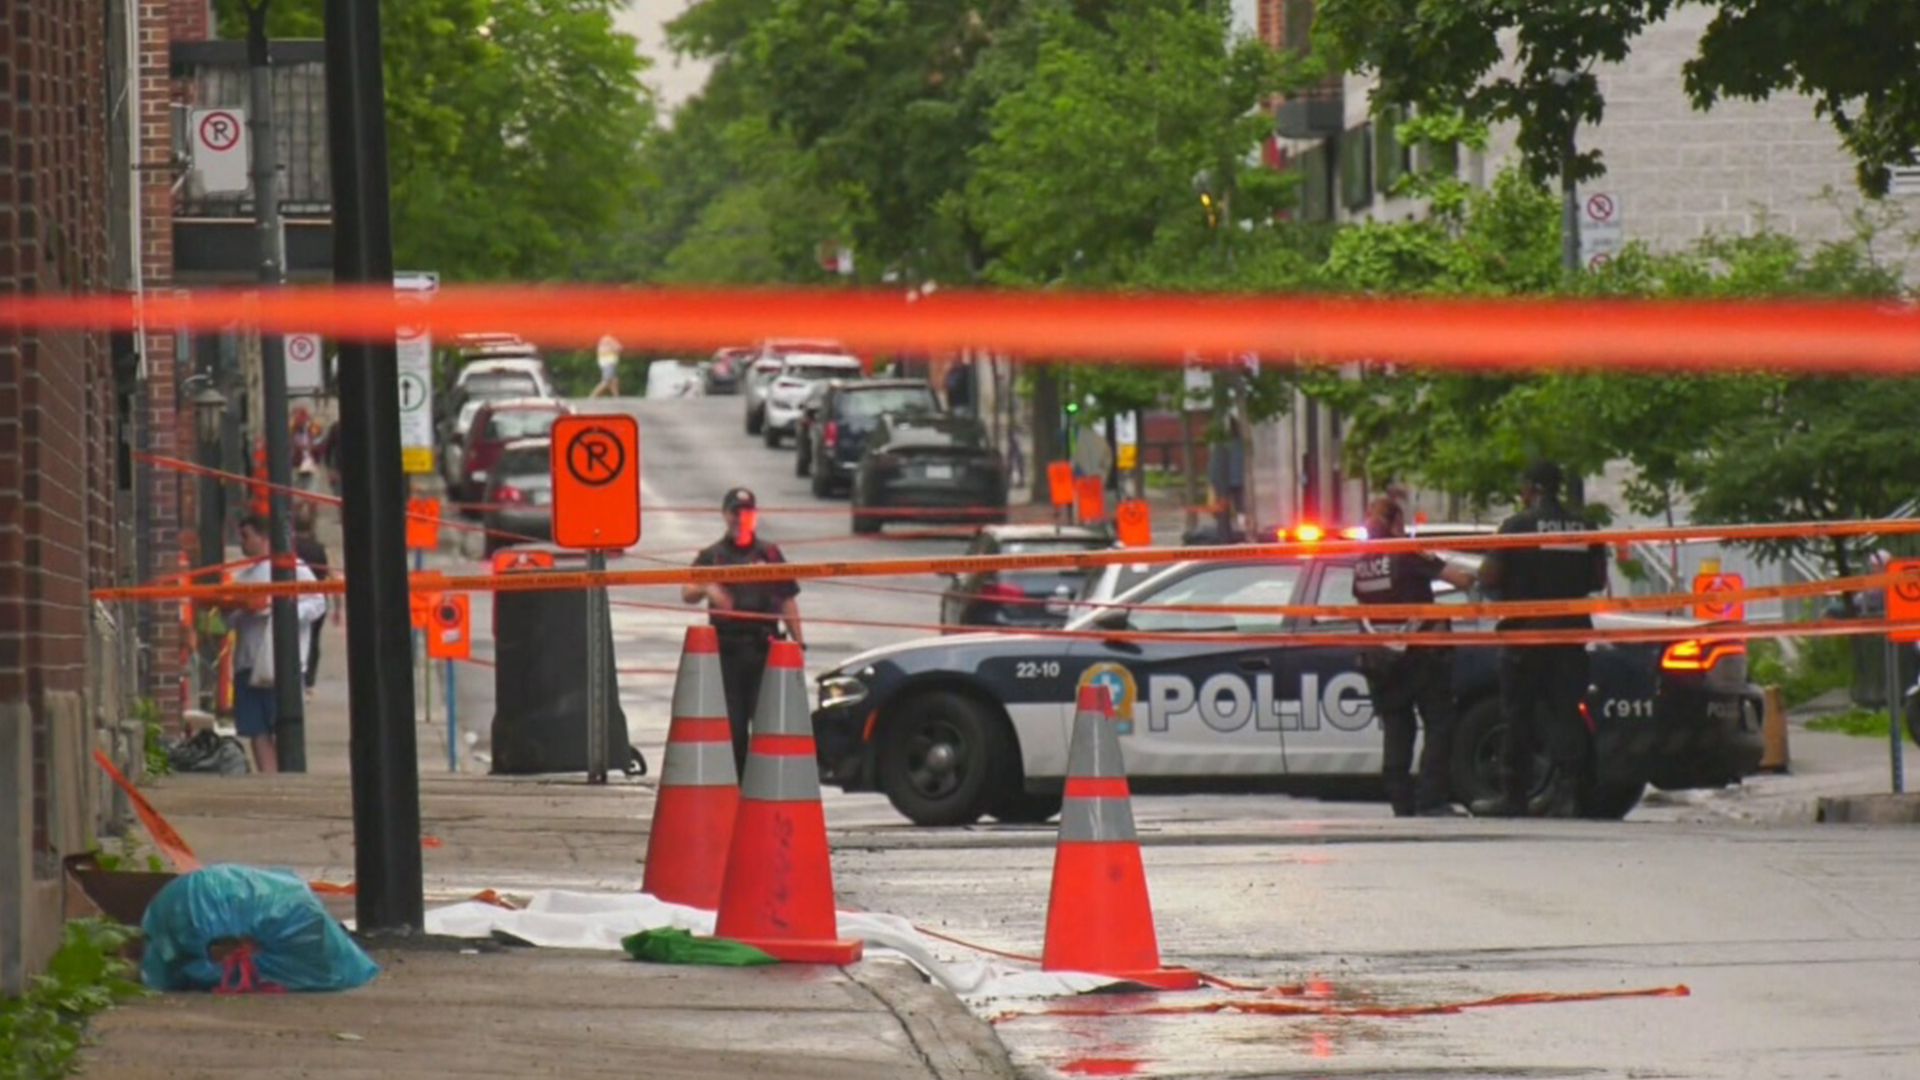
pixel 1249 583
pixel 1051 543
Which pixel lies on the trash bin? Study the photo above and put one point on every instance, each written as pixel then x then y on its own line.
pixel 540 686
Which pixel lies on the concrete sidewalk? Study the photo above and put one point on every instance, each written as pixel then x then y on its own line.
pixel 475 1009
pixel 1824 769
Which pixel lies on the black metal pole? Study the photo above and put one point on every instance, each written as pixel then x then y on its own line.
pixel 386 775
pixel 289 714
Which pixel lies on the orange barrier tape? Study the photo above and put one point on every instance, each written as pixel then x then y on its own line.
pixel 1366 639
pixel 1121 1006
pixel 169 842
pixel 963 564
pixel 1483 335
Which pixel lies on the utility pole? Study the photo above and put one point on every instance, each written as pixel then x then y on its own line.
pixel 290 714
pixel 386 773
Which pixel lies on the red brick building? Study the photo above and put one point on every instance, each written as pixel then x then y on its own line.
pixel 57 459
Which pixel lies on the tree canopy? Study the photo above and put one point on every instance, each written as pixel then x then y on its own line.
pixel 1532 63
pixel 513 129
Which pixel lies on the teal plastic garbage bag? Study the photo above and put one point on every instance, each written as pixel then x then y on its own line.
pixel 238 928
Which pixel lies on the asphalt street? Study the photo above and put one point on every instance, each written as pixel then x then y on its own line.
pixel 1796 942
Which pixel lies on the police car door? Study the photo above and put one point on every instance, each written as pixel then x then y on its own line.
pixel 1328 718
pixel 1202 708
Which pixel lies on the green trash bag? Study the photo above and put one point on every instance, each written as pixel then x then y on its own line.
pixel 668 946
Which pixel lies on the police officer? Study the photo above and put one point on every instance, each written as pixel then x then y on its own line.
pixel 1542 686
pixel 1405 679
pixel 745 615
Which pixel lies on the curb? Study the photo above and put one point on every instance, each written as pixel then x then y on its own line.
pixel 954 1043
pixel 1885 809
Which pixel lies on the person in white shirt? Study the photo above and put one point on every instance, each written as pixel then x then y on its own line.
pixel 254 704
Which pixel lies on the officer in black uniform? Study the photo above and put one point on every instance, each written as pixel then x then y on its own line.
pixel 745 615
pixel 1404 679
pixel 1542 686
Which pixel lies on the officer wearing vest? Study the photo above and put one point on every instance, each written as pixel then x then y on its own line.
pixel 745 615
pixel 1542 686
pixel 1405 679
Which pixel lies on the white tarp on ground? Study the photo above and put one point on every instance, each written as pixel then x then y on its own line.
pixel 555 918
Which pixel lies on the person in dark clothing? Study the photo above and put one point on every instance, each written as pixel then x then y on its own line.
pixel 311 551
pixel 1403 680
pixel 745 615
pixel 1542 686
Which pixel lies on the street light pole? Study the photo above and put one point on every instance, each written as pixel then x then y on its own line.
pixel 1569 204
pixel 386 778
pixel 290 714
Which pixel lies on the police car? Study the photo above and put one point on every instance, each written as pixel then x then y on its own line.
pixel 956 728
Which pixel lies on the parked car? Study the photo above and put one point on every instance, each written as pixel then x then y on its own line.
pixel 519 495
pixel 475 385
pixel 931 468
pixel 797 375
pixel 1017 599
pixel 767 358
pixel 722 374
pixel 836 418
pixel 495 424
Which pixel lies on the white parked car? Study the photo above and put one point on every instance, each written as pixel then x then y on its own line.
pixel 673 378
pixel 765 364
pixel 788 390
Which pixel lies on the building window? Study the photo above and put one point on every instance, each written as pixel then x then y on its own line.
pixel 1390 159
pixel 1356 172
pixel 1316 184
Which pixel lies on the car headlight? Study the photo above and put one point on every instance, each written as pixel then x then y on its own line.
pixel 837 691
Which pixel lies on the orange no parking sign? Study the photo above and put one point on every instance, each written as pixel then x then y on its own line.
pixel 596 481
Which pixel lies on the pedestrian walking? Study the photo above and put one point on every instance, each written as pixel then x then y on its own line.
pixel 746 615
pixel 308 548
pixel 609 356
pixel 1542 686
pixel 254 705
pixel 1408 680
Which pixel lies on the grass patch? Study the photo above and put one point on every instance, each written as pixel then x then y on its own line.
pixel 1816 666
pixel 1852 722
pixel 42 1030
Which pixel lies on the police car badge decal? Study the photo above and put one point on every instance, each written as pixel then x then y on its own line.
pixel 1119 684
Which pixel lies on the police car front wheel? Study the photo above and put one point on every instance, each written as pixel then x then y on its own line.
pixel 942 756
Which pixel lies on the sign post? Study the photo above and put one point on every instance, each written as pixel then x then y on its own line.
pixel 596 505
pixel 414 354
pixel 303 364
pixel 448 640
pixel 1710 606
pixel 219 149
pixel 1903 605
pixel 1601 232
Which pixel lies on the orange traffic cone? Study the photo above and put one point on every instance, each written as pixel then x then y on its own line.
pixel 778 892
pixel 698 795
pixel 1099 918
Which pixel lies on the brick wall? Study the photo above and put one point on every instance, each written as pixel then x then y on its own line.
pixel 56 407
pixel 163 489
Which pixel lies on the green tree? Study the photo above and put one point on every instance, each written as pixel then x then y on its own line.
pixel 1531 63
pixel 513 128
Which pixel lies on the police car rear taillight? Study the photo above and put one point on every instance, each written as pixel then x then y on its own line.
pixel 1696 655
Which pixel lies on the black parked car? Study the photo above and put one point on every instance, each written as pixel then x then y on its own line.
pixel 1013 599
pixel 836 418
pixel 519 495
pixel 928 468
